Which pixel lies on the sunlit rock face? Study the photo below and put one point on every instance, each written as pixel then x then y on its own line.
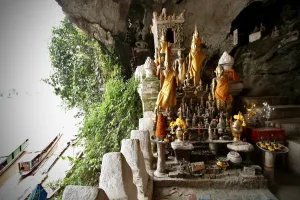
pixel 262 65
pixel 99 18
pixel 107 20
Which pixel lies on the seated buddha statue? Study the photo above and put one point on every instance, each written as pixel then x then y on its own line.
pixel 227 62
pixel 167 95
pixel 220 86
pixel 196 58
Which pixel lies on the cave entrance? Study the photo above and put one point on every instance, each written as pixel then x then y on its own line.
pixel 248 19
pixel 170 35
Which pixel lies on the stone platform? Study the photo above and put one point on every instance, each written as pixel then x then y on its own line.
pixel 212 178
pixel 180 193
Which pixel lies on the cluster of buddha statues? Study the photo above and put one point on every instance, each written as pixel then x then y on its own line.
pixel 183 75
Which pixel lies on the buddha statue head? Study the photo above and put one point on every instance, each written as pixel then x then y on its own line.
pixel 179 53
pixel 219 71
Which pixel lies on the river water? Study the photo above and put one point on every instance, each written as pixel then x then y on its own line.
pixel 28 107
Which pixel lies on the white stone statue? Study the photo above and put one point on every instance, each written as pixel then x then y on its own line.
pixel 149 67
pixel 146 70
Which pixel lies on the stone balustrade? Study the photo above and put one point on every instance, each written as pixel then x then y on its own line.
pixel 127 174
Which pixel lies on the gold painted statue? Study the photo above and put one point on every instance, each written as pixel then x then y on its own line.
pixel 180 68
pixel 167 95
pixel 196 58
pixel 162 55
pixel 220 87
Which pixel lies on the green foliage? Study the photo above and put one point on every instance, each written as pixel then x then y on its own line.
pixel 79 66
pixel 105 125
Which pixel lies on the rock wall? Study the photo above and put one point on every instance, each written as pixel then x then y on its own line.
pixel 271 65
pixel 267 67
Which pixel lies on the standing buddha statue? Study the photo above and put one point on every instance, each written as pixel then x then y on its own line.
pixel 196 58
pixel 220 87
pixel 167 95
pixel 180 68
pixel 162 55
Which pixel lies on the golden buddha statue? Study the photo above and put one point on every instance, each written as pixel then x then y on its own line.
pixel 220 87
pixel 167 95
pixel 180 68
pixel 162 55
pixel 196 58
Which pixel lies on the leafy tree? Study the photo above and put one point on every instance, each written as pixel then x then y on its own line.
pixel 79 66
pixel 80 69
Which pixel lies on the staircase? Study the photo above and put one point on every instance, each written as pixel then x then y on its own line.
pixel 287 117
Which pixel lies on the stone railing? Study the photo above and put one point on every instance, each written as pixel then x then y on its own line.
pixel 126 174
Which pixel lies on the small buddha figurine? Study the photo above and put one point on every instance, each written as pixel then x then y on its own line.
pixel 180 68
pixel 220 87
pixel 199 88
pixel 187 82
pixel 196 58
pixel 194 120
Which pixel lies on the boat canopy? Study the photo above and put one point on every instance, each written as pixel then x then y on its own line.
pixel 28 157
pixel 2 160
pixel 38 193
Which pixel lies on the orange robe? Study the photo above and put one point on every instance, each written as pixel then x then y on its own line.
pixel 232 75
pixel 167 94
pixel 221 92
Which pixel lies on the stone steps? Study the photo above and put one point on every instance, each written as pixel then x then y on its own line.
pixel 294 154
pixel 212 194
pixel 290 125
pixel 220 181
pixel 272 100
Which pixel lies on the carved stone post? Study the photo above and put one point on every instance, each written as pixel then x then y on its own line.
pixel 161 162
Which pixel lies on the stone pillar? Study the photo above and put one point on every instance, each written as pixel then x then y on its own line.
pixel 116 177
pixel 145 145
pixel 73 192
pixel 161 162
pixel 148 90
pixel 269 166
pixel 132 152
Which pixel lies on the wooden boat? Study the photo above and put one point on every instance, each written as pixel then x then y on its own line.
pixel 31 161
pixel 7 161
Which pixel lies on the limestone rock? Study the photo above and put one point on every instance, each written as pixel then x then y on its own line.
pixel 83 192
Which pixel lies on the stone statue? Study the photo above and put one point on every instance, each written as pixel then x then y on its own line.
pixel 180 68
pixel 220 90
pixel 167 95
pixel 196 58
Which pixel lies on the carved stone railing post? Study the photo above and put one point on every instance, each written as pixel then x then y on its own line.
pixel 116 177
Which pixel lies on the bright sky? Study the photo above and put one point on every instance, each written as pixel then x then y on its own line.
pixel 35 113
